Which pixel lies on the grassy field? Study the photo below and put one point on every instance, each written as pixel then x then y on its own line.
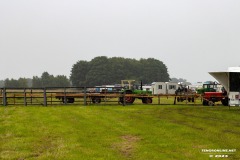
pixel 138 132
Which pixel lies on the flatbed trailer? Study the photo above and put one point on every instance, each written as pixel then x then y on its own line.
pixel 97 97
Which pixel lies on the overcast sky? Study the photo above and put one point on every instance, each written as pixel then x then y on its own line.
pixel 191 37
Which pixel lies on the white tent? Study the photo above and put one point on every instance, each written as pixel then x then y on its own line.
pixel 231 87
pixel 223 77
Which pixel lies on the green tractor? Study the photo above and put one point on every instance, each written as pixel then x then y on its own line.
pixel 208 86
pixel 131 91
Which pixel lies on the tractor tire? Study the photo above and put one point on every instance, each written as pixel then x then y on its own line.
pixel 128 100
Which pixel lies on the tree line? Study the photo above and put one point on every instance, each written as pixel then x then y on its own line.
pixel 99 71
pixel 46 80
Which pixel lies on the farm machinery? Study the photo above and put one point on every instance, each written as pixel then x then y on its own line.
pixel 184 93
pixel 131 91
pixel 126 94
pixel 211 94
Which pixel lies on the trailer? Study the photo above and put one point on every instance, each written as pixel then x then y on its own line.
pixel 123 98
pixel 230 80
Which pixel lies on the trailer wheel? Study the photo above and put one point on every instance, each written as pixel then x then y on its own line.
pixel 193 99
pixel 96 100
pixel 225 101
pixel 69 100
pixel 205 102
pixel 178 99
pixel 147 100
pixel 210 103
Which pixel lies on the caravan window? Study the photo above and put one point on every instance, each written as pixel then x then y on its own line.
pixel 172 86
pixel 159 86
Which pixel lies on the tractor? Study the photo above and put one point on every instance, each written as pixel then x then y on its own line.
pixel 211 94
pixel 131 91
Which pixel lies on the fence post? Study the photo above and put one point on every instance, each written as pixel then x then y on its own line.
pixel 4 97
pixel 85 96
pixel 124 100
pixel 44 97
pixel 25 97
pixel 65 96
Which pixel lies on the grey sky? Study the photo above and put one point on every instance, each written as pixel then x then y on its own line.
pixel 192 37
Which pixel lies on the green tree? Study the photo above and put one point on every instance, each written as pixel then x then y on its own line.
pixel 13 83
pixel 36 82
pixel 79 72
pixel 62 81
pixel 102 70
pixel 47 80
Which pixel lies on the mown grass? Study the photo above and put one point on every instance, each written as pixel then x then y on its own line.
pixel 117 132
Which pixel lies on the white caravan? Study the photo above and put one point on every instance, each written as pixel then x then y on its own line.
pixel 164 88
pixel 231 82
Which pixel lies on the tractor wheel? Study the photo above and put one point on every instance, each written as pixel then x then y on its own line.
pixel 128 99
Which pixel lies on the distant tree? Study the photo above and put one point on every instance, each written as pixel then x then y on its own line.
pixel 79 78
pixel 13 83
pixel 180 80
pixel 102 70
pixel 36 82
pixel 98 73
pixel 61 81
pixel 22 82
pixel 1 83
pixel 47 80
pixel 153 71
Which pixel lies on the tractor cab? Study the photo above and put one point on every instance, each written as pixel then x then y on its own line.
pixel 208 86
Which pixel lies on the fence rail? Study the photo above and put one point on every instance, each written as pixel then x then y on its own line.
pixel 74 95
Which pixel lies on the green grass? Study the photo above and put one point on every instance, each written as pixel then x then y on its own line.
pixel 115 132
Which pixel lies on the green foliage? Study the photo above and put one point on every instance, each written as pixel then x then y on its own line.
pixel 13 83
pixel 115 132
pixel 1 83
pixel 102 70
pixel 48 80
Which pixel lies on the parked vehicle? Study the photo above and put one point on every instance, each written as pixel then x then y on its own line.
pixel 131 91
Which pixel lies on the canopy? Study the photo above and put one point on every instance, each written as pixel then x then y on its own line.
pixel 223 77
